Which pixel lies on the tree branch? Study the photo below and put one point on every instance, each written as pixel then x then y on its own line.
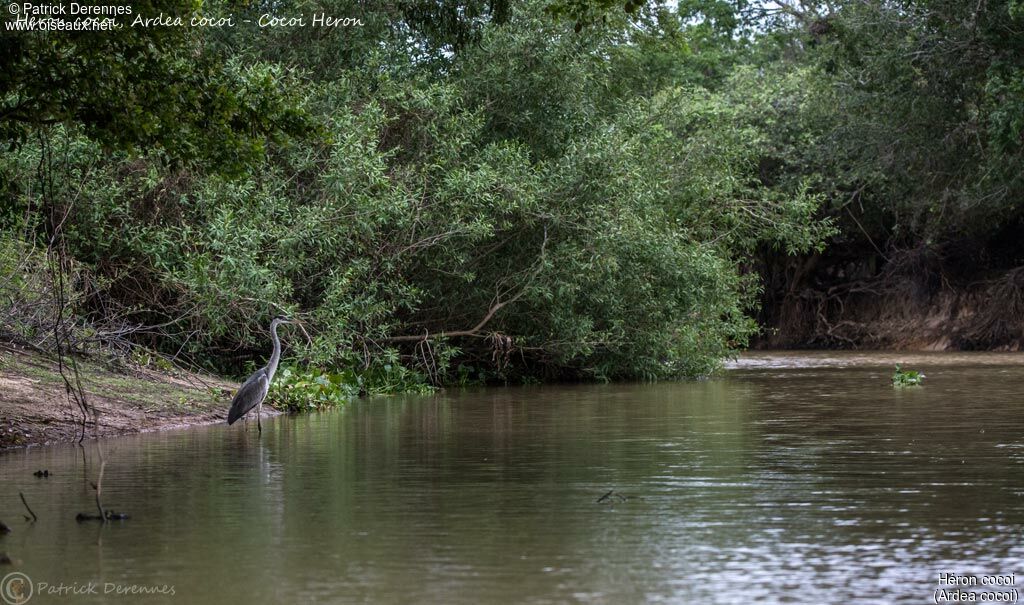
pixel 497 306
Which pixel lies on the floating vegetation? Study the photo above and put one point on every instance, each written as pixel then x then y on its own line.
pixel 907 378
pixel 298 389
pixel 108 515
pixel 302 389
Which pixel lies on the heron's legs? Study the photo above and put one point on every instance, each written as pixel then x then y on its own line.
pixel 259 409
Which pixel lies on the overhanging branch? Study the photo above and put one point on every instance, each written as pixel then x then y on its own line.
pixel 476 331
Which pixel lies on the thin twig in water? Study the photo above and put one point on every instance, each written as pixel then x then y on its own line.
pixel 34 517
pixel 103 466
pixel 85 463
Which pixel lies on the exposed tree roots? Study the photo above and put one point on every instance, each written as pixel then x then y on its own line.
pixel 913 302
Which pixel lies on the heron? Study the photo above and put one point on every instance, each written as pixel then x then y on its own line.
pixel 254 390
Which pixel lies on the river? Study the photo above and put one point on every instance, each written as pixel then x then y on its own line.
pixel 789 478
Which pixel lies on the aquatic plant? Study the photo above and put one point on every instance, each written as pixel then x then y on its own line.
pixel 301 389
pixel 907 378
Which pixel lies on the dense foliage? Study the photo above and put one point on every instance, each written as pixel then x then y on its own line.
pixel 489 190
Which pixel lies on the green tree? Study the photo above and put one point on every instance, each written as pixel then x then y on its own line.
pixel 147 88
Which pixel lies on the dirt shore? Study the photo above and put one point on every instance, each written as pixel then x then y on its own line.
pixel 35 410
pixel 909 303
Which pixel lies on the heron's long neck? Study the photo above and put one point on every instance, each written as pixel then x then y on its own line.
pixel 275 357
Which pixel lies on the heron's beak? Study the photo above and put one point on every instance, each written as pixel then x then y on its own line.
pixel 303 328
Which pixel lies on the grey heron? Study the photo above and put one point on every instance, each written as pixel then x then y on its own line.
pixel 254 390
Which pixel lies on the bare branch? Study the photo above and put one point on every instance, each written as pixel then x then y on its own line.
pixel 475 331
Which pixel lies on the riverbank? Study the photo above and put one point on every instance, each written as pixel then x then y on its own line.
pixel 852 299
pixel 34 409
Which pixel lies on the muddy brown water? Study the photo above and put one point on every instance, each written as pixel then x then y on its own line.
pixel 795 478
